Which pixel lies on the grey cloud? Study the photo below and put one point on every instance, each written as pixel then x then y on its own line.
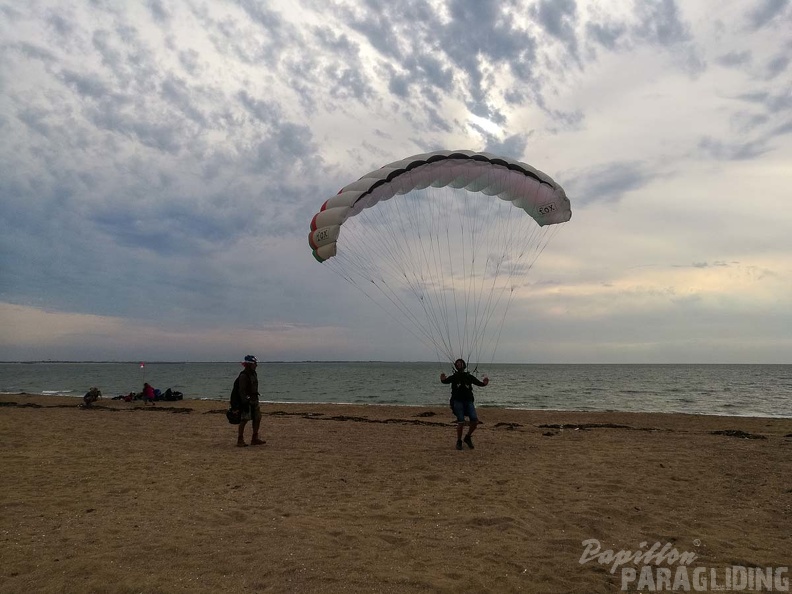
pixel 482 28
pixel 436 72
pixel 747 122
pixel 260 13
pixel 693 63
pixel 127 104
pixel 559 18
pixel 780 103
pixel 176 92
pixel 279 33
pixel 102 43
pixel 425 52
pixel 60 25
pixel 35 119
pixel 267 112
pixel 165 135
pixel 129 63
pixel 320 77
pixel 653 22
pixel 295 141
pixel 19 213
pixel 348 83
pixel 10 13
pixel 755 97
pixel 307 97
pixel 736 151
pixel 774 103
pixel 734 59
pixel 158 11
pixel 765 12
pixel 128 34
pixel 158 235
pixel 660 22
pixel 437 121
pixel 229 38
pixel 338 43
pixel 512 146
pixel 783 129
pixel 565 120
pixel 90 86
pixel 35 52
pixel 776 66
pixel 608 35
pixel 106 5
pixel 342 73
pixel 381 35
pixel 172 225
pixel 287 151
pixel 398 84
pixel 607 183
pixel 421 51
pixel 716 264
pixel 761 119
pixel 190 61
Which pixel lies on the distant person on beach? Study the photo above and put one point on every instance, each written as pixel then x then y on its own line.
pixel 92 396
pixel 249 396
pixel 461 402
pixel 148 395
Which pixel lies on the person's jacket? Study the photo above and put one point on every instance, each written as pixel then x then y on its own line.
pixel 248 385
pixel 462 384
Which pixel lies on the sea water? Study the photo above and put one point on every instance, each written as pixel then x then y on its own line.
pixel 740 390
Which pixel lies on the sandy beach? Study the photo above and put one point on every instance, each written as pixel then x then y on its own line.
pixel 123 498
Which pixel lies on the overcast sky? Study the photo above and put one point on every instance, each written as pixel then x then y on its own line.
pixel 160 162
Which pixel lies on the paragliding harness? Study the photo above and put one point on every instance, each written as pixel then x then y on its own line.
pixel 460 390
pixel 234 412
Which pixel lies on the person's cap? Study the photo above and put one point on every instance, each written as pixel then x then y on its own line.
pixel 250 359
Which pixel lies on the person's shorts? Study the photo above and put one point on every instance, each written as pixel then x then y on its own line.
pixel 253 412
pixel 464 409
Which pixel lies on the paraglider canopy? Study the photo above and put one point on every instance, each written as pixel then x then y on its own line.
pixel 442 240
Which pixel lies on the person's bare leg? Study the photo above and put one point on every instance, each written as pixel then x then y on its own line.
pixel 460 426
pixel 241 434
pixel 471 429
pixel 473 425
pixel 255 440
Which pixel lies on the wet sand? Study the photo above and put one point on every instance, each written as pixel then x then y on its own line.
pixel 126 498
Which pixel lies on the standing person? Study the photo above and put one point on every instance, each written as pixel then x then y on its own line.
pixel 462 399
pixel 249 395
pixel 148 394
